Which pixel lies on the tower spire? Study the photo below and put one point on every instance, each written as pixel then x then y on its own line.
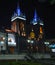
pixel 18 14
pixel 35 18
pixel 18 10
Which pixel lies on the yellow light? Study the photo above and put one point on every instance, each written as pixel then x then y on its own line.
pixel 32 34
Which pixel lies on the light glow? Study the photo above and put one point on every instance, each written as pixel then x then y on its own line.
pixel 17 17
pixel 34 23
pixel 2 42
pixel 53 50
pixel 47 43
pixel 32 41
pixel 41 24
pixel 41 30
pixel 28 41
pixel 18 11
pixel 35 19
pixel 11 40
pixel 3 38
pixel 18 14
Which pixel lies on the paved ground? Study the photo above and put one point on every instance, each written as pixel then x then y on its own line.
pixel 22 56
pixel 40 58
pixel 10 57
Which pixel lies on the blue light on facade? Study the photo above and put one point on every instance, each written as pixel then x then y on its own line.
pixel 35 19
pixel 35 16
pixel 18 14
pixel 18 11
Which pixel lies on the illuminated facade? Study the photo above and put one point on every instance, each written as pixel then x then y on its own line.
pixel 37 26
pixel 19 25
pixel 36 34
pixel 35 30
pixel 18 21
pixel 7 42
pixel 18 39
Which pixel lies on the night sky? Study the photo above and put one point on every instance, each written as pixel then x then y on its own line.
pixel 45 11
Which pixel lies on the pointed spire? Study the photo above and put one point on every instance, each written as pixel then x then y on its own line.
pixel 35 18
pixel 18 14
pixel 18 10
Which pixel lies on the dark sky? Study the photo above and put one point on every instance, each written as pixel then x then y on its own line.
pixel 45 11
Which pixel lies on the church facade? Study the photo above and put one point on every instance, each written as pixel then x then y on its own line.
pixel 23 37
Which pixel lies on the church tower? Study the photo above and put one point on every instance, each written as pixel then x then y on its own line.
pixel 37 25
pixel 38 31
pixel 34 24
pixel 18 22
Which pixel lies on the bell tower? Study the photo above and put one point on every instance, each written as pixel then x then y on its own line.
pixel 34 24
pixel 18 22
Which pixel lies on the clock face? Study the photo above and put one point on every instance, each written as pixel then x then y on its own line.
pixel 32 35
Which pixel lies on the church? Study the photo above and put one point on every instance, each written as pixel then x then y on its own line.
pixel 23 37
